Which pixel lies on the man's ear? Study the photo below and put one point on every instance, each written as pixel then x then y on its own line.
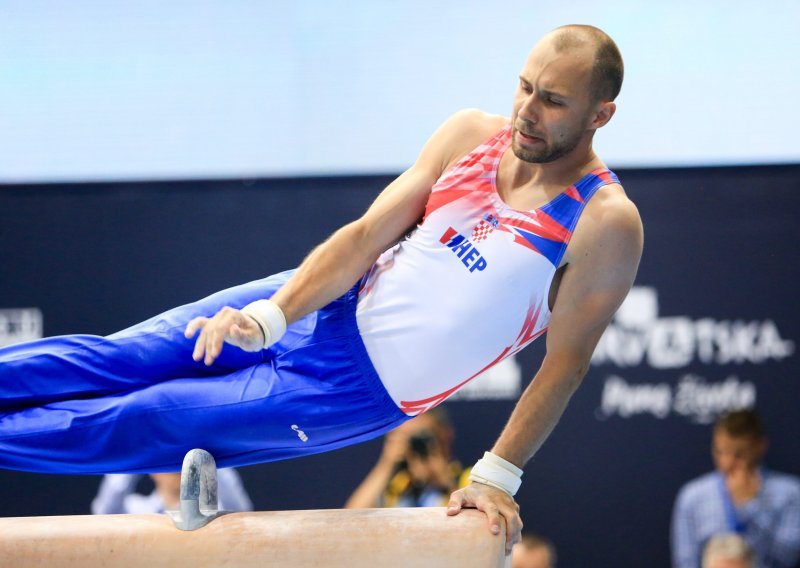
pixel 603 114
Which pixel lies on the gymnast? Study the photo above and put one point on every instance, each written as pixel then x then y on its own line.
pixel 463 260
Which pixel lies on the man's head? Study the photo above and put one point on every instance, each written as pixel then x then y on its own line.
pixel 727 551
pixel 566 92
pixel 738 441
pixel 533 551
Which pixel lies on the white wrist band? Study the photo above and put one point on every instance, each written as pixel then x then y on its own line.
pixel 495 471
pixel 270 319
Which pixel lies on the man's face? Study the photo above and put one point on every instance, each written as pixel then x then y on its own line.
pixel 553 107
pixel 735 453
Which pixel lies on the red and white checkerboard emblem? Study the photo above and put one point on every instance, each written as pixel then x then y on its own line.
pixel 483 229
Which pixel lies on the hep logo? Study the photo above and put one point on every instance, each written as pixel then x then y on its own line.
pixel 463 249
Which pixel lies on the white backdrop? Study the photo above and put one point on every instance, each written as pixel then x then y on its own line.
pixel 97 90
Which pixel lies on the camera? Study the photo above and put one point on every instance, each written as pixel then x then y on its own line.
pixel 421 443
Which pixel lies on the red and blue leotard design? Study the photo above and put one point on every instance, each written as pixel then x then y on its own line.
pixel 476 272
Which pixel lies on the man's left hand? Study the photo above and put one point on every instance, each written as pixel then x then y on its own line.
pixel 495 503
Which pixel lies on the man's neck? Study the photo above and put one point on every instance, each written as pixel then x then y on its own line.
pixel 526 186
pixel 563 172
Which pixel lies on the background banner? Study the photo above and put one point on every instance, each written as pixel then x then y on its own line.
pixel 712 324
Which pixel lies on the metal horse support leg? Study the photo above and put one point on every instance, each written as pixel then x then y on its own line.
pixel 198 492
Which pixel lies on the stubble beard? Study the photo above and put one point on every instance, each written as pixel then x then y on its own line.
pixel 550 153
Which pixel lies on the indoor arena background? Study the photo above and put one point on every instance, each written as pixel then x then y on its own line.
pixel 264 127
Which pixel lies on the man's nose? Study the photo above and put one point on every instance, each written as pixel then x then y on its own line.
pixel 529 111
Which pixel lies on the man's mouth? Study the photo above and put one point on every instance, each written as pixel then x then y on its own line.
pixel 528 138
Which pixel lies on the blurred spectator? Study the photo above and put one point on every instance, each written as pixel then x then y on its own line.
pixel 727 551
pixel 415 468
pixel 740 497
pixel 533 551
pixel 117 493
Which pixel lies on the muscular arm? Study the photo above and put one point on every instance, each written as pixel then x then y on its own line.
pixel 604 257
pixel 337 264
pixel 333 267
pixel 592 289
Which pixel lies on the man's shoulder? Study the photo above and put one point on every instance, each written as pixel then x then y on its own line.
pixel 461 133
pixel 609 222
pixel 466 130
pixel 611 201
pixel 475 123
pixel 786 483
pixel 698 488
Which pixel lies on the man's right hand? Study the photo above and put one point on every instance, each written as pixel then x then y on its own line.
pixel 227 326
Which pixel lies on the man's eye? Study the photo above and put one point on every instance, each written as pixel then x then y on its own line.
pixel 555 102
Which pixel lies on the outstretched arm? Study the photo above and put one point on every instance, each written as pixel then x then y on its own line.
pixel 336 265
pixel 605 255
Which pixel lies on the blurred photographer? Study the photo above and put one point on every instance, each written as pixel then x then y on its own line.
pixel 415 468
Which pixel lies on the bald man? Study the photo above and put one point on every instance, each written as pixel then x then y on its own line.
pixel 502 230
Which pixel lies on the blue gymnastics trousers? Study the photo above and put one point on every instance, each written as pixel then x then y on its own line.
pixel 136 402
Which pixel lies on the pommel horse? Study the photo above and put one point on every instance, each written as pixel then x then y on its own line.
pixel 199 535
